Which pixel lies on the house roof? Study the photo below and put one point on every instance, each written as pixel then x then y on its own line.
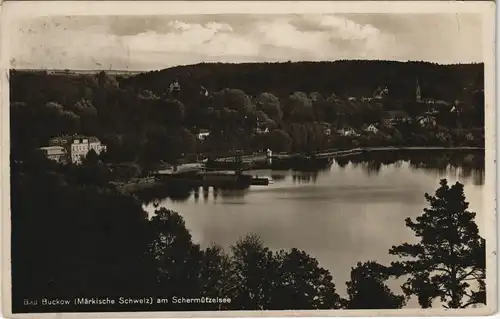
pixel 52 148
pixel 60 138
pixel 346 129
pixel 71 138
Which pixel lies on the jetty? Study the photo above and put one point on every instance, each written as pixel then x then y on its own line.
pixel 196 176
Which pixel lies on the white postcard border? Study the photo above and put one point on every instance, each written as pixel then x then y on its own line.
pixel 27 10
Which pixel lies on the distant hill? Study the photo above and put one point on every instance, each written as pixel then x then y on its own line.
pixel 79 72
pixel 344 78
pixel 351 78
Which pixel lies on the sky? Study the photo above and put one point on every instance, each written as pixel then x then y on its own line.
pixel 155 42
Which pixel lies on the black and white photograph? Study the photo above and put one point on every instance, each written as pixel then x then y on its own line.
pixel 206 158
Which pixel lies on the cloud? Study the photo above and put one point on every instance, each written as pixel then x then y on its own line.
pixel 327 37
pixel 219 27
pixel 90 43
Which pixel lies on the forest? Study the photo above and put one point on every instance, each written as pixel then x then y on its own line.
pixel 343 78
pixel 288 107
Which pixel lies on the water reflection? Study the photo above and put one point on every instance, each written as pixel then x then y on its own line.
pixel 278 177
pixel 464 165
pixel 306 177
pixel 372 167
pixel 355 211
pixel 459 165
pixel 157 195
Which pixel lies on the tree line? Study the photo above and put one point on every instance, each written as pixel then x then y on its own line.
pixel 344 78
pixel 75 235
pixel 142 122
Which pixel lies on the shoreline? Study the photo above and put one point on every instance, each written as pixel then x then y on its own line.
pixel 424 148
pixel 261 156
pixel 149 182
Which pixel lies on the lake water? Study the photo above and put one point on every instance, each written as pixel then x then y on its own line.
pixel 349 213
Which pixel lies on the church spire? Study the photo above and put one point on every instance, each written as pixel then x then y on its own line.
pixel 418 92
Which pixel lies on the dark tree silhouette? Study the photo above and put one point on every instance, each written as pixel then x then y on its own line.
pixel 177 259
pixel 234 99
pixel 218 276
pixel 339 77
pixel 302 284
pixel 279 141
pixel 255 268
pixel 80 236
pixel 448 262
pixel 169 112
pixel 367 289
pixel 270 104
pixel 298 108
pixel 284 280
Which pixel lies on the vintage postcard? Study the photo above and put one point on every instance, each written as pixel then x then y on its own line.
pixel 238 159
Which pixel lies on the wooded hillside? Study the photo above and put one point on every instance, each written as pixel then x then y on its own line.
pixel 352 78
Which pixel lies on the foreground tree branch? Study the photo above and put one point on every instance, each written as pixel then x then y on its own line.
pixel 454 252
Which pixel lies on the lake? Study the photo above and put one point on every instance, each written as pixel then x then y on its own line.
pixel 352 212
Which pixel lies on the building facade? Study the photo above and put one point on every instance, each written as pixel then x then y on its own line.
pixel 418 93
pixel 203 134
pixel 427 121
pixel 348 132
pixel 81 146
pixel 391 118
pixel 371 128
pixel 77 147
pixel 55 153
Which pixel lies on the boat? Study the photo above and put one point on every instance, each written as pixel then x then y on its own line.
pixel 227 165
pixel 263 181
pixel 218 179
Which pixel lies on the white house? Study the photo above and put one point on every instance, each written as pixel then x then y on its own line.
pixel 203 134
pixel 372 128
pixel 175 87
pixel 79 149
pixel 204 91
pixel 261 130
pixel 74 147
pixel 427 121
pixel 391 118
pixel 58 141
pixel 348 132
pixel 381 94
pixel 80 146
pixel 55 153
